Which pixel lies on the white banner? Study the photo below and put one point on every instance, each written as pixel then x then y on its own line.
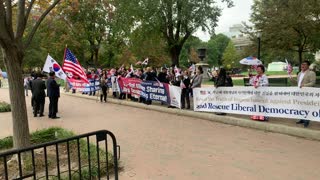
pixel 175 96
pixel 286 102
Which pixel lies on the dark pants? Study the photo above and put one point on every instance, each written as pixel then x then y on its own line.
pixel 104 94
pixel 38 105
pixel 93 93
pixel 185 97
pixel 305 122
pixel 148 102
pixel 142 99
pixel 92 90
pixel 32 101
pixel 122 96
pixel 53 107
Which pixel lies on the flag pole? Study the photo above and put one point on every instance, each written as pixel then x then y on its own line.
pixel 64 57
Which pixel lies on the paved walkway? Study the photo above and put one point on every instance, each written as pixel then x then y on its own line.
pixel 163 146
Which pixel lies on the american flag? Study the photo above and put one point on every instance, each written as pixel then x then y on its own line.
pixel 72 65
pixel 192 68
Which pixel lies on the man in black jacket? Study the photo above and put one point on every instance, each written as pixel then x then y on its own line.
pixel 163 76
pixel 53 94
pixel 38 95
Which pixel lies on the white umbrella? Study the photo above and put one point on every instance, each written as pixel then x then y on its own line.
pixel 250 61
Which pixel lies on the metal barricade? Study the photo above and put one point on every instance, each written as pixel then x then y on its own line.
pixel 63 159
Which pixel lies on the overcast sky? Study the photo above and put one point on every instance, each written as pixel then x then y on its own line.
pixel 230 16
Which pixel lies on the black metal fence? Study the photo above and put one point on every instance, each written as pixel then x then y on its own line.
pixel 71 158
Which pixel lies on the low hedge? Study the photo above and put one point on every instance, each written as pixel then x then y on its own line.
pixel 4 107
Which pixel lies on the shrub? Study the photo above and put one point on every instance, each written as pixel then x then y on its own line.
pixel 5 107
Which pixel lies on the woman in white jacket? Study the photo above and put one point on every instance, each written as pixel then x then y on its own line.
pixel 258 81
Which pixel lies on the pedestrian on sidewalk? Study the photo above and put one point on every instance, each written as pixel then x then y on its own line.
pixel 38 95
pixel 53 94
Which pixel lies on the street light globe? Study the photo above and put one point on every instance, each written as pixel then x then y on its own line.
pixel 258 34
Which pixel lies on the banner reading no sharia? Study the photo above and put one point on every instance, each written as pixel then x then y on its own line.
pixel 286 102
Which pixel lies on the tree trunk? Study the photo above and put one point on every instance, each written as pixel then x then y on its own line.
pixel 96 54
pixel 300 58
pixel 175 53
pixel 12 59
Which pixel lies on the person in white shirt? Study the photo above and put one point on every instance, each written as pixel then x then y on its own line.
pixel 258 81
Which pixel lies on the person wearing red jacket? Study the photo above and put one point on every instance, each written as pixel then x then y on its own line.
pixel 92 79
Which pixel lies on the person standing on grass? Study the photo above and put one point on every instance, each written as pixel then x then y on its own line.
pixel 306 78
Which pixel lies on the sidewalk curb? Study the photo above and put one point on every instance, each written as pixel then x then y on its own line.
pixel 264 126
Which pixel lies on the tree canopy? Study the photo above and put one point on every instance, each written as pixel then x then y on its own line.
pixel 216 47
pixel 288 24
pixel 176 20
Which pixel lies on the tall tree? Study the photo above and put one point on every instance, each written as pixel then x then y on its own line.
pixel 189 50
pixel 288 24
pixel 176 20
pixel 152 47
pixel 14 42
pixel 92 16
pixel 230 58
pixel 216 47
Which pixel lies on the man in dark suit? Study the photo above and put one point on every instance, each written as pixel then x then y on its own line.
pixel 38 95
pixel 163 76
pixel 53 94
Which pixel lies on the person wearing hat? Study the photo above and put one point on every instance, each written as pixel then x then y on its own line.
pixel 53 94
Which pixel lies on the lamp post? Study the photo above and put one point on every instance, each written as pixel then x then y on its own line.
pixel 259 45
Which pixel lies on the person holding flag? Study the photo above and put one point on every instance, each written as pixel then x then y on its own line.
pixel 130 72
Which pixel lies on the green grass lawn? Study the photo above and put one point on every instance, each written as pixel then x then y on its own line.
pixel 236 82
pixel 270 73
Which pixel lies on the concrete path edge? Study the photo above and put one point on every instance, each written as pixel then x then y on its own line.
pixel 264 126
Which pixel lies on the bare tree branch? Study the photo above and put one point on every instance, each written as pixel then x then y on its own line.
pixel 21 24
pixel 9 18
pixel 35 27
pixel 3 30
pixel 179 8
pixel 29 10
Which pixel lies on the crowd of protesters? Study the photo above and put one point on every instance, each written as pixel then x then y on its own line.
pixel 186 79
